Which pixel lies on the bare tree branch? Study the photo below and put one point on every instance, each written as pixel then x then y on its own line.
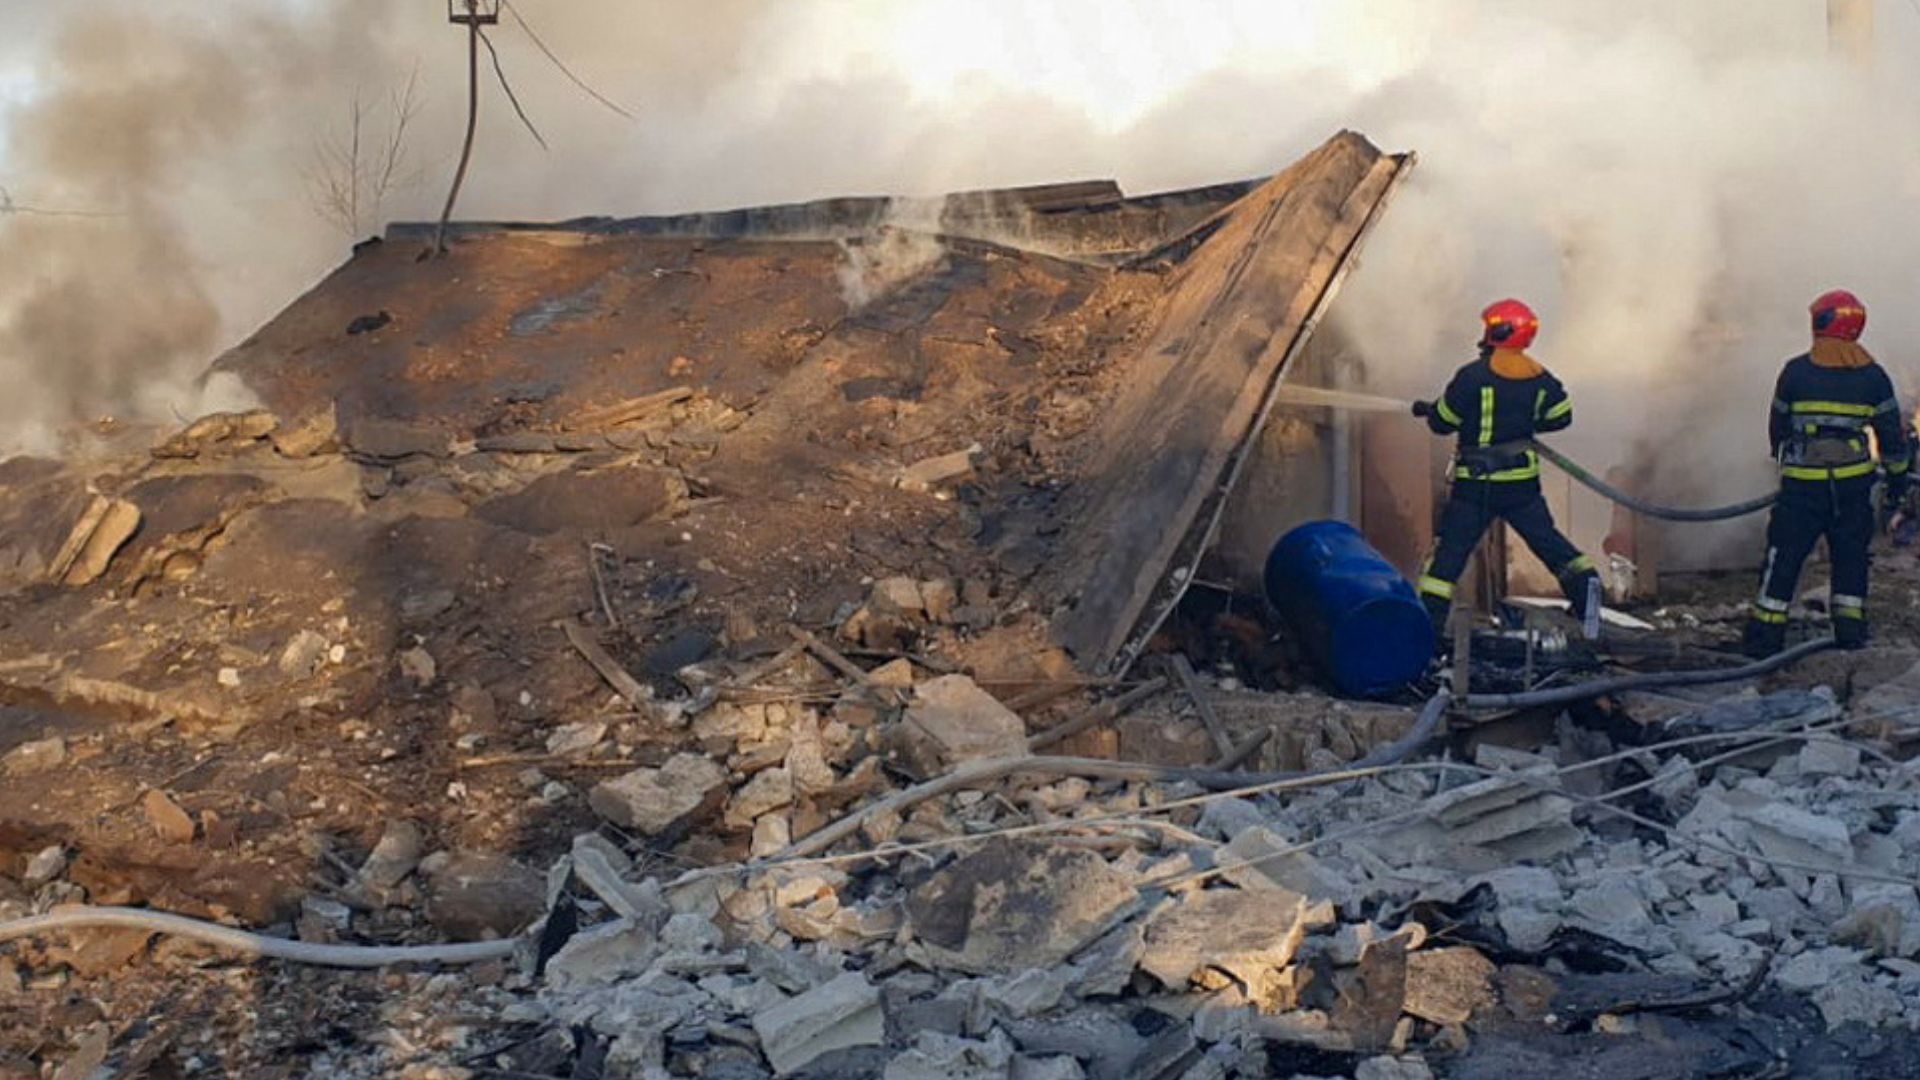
pixel 357 168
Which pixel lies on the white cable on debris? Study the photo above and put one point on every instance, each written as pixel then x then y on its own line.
pixel 1757 740
pixel 1761 739
pixel 251 945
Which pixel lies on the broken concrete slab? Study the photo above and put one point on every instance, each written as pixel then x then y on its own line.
pixel 1009 907
pixel 951 721
pixel 1275 865
pixel 1829 758
pixel 602 868
pixel 1854 1000
pixel 1815 968
pixel 1106 967
pixel 937 1056
pixel 603 955
pixel 1789 833
pixel 652 801
pixel 1028 993
pixel 1244 933
pixel 769 790
pixel 840 1014
pixel 474 896
pixel 1448 986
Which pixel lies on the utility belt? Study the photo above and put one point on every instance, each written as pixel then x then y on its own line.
pixel 1503 463
pixel 1828 454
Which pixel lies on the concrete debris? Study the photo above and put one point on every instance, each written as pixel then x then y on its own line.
pixel 418 666
pixel 951 722
pixel 653 801
pixel 474 896
pixel 1046 1068
pixel 1392 1068
pixel 39 755
pixel 48 864
pixel 402 845
pixel 1817 967
pixel 928 473
pixel 1520 817
pixel 1785 832
pixel 304 655
pixel 1448 986
pixel 840 1014
pixel 218 431
pixel 769 790
pixel 1011 907
pixel 316 432
pixel 169 822
pixel 1275 864
pixel 893 675
pixel 935 1056
pixel 1829 758
pixel 576 738
pixel 103 529
pixel 1249 935
pixel 1028 993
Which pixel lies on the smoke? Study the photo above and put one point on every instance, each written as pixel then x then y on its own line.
pixel 134 161
pixel 1667 183
pixel 905 246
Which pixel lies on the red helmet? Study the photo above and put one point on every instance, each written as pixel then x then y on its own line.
pixel 1510 324
pixel 1839 314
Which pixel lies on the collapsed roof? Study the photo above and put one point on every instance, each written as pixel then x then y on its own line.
pixel 1111 357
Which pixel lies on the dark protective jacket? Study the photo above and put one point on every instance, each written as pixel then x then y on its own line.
pixel 1500 399
pixel 1821 416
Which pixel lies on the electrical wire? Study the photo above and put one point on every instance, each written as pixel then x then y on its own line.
pixel 9 207
pixel 501 73
pixel 564 70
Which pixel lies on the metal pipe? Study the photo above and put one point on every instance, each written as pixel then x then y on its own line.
pixel 1584 691
pixel 473 120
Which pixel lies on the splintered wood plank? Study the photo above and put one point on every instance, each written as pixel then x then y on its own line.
pixel 1240 307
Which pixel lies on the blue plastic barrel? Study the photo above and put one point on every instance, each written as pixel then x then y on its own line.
pixel 1358 618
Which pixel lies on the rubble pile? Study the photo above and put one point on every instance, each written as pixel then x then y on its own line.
pixel 1425 920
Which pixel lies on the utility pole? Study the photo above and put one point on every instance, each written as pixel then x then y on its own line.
pixel 473 14
pixel 1850 31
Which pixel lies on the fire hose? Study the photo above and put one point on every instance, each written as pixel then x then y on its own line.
pixel 1641 506
pixel 1359 402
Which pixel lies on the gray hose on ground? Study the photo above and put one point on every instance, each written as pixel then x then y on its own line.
pixel 1665 513
pixel 1565 695
pixel 251 945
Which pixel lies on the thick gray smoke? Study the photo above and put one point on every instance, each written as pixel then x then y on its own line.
pixel 1668 183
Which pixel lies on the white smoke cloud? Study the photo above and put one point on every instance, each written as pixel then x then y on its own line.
pixel 1668 183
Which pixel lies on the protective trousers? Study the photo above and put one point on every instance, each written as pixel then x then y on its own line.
pixel 1841 511
pixel 1471 508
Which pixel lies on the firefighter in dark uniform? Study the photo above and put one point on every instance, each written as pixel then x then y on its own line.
pixel 1496 404
pixel 1824 406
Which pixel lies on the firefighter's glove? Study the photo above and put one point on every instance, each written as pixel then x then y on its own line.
pixel 1893 497
pixel 1423 409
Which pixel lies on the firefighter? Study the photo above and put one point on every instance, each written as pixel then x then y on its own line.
pixel 1496 404
pixel 1824 405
